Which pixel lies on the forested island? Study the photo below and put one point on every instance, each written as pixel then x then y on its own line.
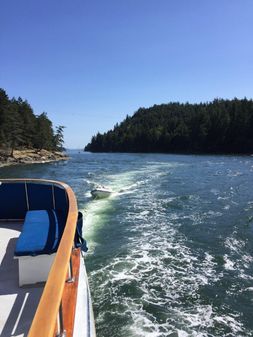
pixel 25 136
pixel 220 126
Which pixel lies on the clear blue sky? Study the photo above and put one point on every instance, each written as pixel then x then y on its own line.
pixel 90 63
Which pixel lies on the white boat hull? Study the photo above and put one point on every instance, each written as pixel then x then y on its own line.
pixel 100 193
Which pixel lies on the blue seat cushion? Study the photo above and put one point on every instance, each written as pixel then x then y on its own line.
pixel 41 233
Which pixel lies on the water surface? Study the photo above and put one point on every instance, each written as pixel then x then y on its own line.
pixel 170 253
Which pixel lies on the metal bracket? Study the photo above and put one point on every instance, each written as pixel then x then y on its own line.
pixel 61 330
pixel 71 278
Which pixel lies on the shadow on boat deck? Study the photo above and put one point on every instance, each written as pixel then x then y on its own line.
pixel 17 304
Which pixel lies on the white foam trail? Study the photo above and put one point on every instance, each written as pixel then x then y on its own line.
pixel 229 265
pixel 157 270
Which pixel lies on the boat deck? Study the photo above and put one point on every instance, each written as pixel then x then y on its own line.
pixel 17 305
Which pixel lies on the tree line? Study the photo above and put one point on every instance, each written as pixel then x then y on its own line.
pixel 20 128
pixel 220 126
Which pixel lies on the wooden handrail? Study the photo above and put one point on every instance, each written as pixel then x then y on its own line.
pixel 43 324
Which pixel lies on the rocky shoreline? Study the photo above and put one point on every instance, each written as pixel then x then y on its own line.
pixel 31 157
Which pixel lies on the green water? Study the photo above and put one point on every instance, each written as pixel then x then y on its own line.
pixel 170 252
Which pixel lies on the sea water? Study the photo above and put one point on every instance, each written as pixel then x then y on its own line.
pixel 171 251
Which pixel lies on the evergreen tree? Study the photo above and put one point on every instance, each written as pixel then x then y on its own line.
pixel 44 135
pixel 28 120
pixel 21 128
pixel 59 138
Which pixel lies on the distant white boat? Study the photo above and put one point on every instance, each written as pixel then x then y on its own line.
pixel 101 192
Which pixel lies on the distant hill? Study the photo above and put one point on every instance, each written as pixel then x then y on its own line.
pixel 221 126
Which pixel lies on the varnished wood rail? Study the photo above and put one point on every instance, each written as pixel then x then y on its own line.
pixel 69 297
pixel 43 324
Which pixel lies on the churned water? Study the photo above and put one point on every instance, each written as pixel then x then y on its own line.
pixel 171 251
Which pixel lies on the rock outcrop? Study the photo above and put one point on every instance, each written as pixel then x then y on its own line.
pixel 30 156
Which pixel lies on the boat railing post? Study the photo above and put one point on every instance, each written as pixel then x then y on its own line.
pixel 71 278
pixel 61 332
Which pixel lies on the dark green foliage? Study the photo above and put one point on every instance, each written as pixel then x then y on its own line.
pixel 59 138
pixel 221 126
pixel 21 128
pixel 44 135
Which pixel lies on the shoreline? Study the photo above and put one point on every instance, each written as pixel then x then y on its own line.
pixel 31 156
